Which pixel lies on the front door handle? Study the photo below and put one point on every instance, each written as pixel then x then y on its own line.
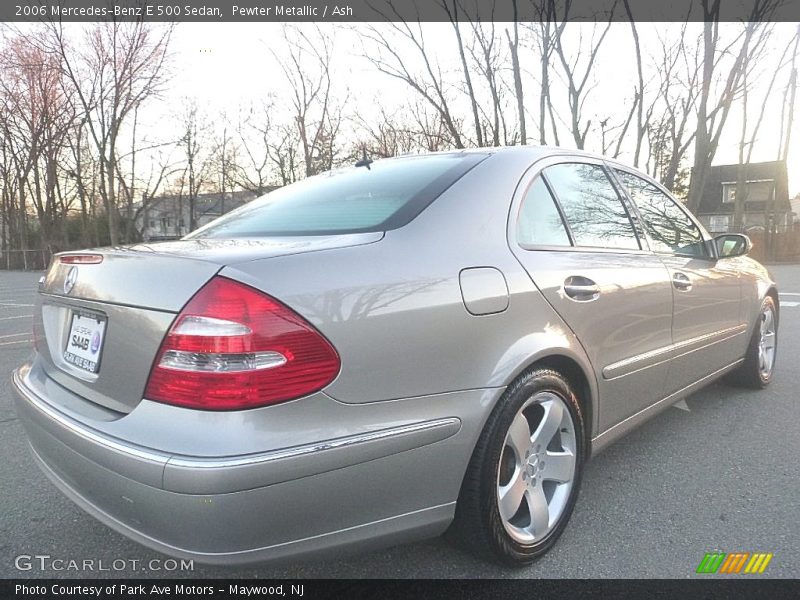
pixel 681 282
pixel 581 289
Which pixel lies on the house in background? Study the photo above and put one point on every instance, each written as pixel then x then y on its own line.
pixel 168 217
pixel 795 202
pixel 763 179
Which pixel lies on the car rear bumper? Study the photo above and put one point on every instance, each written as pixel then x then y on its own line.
pixel 397 480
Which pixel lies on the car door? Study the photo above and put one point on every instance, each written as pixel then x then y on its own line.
pixel 707 328
pixel 576 238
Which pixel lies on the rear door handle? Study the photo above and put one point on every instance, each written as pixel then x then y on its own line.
pixel 681 282
pixel 581 289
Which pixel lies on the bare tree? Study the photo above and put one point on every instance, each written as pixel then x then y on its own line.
pixel 197 172
pixel 318 118
pixel 712 113
pixel 787 122
pixel 671 136
pixel 431 132
pixel 223 162
pixel 250 168
pixel 159 166
pixel 789 98
pixel 748 136
pixel 513 46
pixel 83 173
pixel 407 129
pixel 452 10
pixel 36 121
pixel 577 75
pixel 487 55
pixel 387 57
pixel 641 124
pixel 22 134
pixel 117 68
pixel 388 135
pixel 544 31
pixel 284 155
pixel 612 136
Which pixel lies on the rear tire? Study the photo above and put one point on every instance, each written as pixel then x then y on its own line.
pixel 523 479
pixel 759 364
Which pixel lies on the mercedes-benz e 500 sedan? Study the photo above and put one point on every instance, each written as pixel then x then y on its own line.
pixel 384 352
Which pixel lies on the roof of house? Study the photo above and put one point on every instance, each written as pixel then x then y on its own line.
pixel 206 203
pixel 711 202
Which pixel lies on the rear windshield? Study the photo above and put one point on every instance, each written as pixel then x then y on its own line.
pixel 385 196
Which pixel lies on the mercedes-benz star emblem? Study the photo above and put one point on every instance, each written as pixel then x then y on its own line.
pixel 69 282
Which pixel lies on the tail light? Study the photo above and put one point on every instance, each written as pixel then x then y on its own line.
pixel 80 259
pixel 233 347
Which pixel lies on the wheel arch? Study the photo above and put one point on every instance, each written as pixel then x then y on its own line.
pixel 575 374
pixel 579 375
pixel 772 292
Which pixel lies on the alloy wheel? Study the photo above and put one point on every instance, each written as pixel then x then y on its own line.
pixel 766 344
pixel 537 468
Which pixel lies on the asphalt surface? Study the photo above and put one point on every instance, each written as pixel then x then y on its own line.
pixel 720 476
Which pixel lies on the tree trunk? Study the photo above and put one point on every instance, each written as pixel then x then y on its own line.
pixel 514 47
pixel 468 81
pixel 702 137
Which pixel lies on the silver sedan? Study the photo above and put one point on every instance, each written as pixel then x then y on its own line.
pixel 385 352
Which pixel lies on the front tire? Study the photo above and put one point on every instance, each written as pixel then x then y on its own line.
pixel 523 479
pixel 759 364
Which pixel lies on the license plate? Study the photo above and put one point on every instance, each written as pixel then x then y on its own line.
pixel 85 342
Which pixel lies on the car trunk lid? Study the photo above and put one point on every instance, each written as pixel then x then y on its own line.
pixel 98 327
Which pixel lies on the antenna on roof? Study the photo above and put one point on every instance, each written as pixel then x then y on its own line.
pixel 365 162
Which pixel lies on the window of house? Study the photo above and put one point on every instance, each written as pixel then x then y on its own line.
pixel 719 223
pixel 757 191
pixel 594 212
pixel 728 192
pixel 539 222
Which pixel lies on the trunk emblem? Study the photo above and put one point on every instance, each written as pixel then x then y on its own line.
pixel 69 282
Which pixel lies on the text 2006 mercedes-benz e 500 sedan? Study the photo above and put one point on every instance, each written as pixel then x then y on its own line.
pixel 382 352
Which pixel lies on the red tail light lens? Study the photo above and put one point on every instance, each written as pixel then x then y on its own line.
pixel 233 347
pixel 80 259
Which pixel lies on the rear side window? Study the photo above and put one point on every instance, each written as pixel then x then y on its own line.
pixel 387 195
pixel 539 221
pixel 668 227
pixel 594 212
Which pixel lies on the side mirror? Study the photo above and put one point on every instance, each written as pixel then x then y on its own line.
pixel 732 244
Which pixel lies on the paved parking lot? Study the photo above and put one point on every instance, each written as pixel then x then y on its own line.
pixel 719 472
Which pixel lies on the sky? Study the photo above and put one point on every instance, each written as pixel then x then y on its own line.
pixel 226 65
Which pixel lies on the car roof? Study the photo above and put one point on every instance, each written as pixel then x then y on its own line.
pixel 532 151
pixel 535 152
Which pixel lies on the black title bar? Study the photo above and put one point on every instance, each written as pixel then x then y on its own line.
pixel 508 589
pixel 393 10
